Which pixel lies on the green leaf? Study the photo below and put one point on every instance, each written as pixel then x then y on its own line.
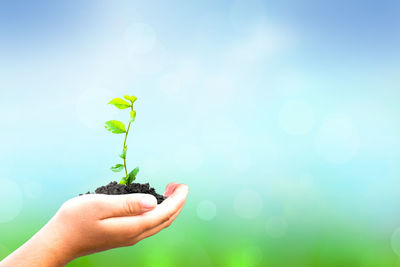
pixel 130 98
pixel 134 172
pixel 123 180
pixel 119 103
pixel 116 127
pixel 123 153
pixel 117 168
pixel 132 175
pixel 133 116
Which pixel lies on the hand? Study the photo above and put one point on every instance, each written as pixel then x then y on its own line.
pixel 93 223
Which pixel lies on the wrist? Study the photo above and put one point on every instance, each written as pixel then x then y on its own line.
pixel 44 249
pixel 53 245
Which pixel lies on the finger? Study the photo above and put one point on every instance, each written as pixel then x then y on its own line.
pixel 107 206
pixel 158 228
pixel 170 189
pixel 133 225
pixel 133 233
pixel 167 208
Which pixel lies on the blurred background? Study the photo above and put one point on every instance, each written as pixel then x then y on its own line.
pixel 281 116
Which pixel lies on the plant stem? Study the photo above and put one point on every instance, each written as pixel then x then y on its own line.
pixel 126 135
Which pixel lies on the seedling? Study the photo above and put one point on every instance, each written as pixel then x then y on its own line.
pixel 126 185
pixel 118 127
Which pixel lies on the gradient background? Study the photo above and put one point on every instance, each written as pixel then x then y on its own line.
pixel 281 116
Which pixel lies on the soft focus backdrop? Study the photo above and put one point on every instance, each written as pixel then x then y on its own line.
pixel 281 116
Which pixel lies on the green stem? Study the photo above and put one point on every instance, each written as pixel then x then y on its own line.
pixel 126 135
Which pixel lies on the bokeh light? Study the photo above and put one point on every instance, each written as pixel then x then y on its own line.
pixel 252 255
pixel 32 189
pixel 11 200
pixel 337 139
pixel 276 226
pixel 395 241
pixel 206 210
pixel 248 204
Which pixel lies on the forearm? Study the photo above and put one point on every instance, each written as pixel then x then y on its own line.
pixel 45 249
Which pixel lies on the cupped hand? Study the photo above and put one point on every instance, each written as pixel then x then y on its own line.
pixel 92 223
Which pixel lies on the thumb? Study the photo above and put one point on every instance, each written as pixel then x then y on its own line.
pixel 125 205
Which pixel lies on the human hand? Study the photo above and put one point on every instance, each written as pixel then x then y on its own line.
pixel 94 222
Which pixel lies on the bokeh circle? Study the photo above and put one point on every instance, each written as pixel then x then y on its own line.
pixel 248 204
pixel 206 210
pixel 11 200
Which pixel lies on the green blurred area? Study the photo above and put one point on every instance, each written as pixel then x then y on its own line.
pixel 190 241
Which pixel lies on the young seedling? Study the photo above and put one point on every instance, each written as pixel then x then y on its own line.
pixel 118 127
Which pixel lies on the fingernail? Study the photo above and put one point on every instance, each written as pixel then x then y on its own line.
pixel 148 202
pixel 167 192
pixel 170 189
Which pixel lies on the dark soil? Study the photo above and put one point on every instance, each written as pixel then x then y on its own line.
pixel 114 188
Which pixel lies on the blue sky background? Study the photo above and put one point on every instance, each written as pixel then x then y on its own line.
pixel 283 109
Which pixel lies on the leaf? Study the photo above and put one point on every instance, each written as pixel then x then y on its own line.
pixel 133 116
pixel 119 103
pixel 135 171
pixel 123 180
pixel 132 175
pixel 123 153
pixel 116 127
pixel 117 168
pixel 130 98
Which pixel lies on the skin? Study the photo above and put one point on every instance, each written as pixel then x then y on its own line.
pixel 93 223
